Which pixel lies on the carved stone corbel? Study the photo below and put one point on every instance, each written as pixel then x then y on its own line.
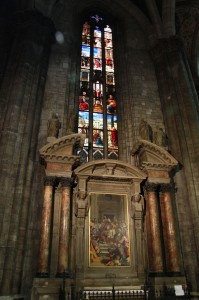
pixel 137 205
pixel 81 204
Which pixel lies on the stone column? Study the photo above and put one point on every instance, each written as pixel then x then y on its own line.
pixel 63 253
pixel 153 229
pixel 179 101
pixel 44 250
pixel 169 232
pixel 21 97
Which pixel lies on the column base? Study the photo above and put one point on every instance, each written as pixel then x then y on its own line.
pixel 165 274
pixel 42 275
pixel 62 275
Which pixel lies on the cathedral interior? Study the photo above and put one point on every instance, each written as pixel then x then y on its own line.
pixel 99 146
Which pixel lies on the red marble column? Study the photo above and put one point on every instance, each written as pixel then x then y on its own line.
pixel 62 268
pixel 169 232
pixel 44 250
pixel 153 229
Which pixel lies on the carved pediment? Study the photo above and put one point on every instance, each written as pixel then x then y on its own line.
pixel 60 156
pixel 152 156
pixel 110 168
pixel 63 148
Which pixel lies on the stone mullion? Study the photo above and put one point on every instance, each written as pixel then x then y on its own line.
pixel 44 249
pixel 63 252
pixel 169 232
pixel 153 229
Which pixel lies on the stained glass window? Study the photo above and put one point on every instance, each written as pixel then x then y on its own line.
pixel 97 101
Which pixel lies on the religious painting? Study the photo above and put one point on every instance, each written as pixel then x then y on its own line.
pixel 109 231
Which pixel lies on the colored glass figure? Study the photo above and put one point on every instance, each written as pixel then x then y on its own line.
pixel 111 105
pixel 97 18
pixel 97 32
pixel 83 104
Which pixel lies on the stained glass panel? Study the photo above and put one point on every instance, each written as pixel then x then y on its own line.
pixel 97 101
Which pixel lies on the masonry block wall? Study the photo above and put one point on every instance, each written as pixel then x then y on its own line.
pixel 40 76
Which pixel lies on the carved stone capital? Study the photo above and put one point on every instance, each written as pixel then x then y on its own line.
pixel 81 204
pixel 82 195
pixel 137 198
pixel 50 181
pixel 150 187
pixel 66 182
pixel 165 187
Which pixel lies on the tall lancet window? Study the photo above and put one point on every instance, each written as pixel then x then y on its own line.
pixel 97 101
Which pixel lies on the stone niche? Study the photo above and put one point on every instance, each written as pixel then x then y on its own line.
pixel 109 244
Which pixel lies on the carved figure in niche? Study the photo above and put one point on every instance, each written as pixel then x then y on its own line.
pixel 137 200
pixel 145 131
pixel 53 126
pixel 71 120
pixel 160 137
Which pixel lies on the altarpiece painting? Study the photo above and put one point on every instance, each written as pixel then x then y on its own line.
pixel 109 231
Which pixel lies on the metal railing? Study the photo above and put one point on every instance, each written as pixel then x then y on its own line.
pixel 148 293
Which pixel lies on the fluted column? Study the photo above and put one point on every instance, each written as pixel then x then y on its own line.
pixel 44 250
pixel 63 253
pixel 153 229
pixel 169 232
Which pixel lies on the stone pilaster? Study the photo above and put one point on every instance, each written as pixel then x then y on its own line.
pixel 138 223
pixel 81 212
pixel 44 250
pixel 63 252
pixel 153 229
pixel 169 231
pixel 21 93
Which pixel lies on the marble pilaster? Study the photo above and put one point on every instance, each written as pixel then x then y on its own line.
pixel 153 229
pixel 63 252
pixel 169 232
pixel 44 250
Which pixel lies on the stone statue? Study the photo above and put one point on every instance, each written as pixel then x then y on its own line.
pixel 145 131
pixel 160 137
pixel 53 126
pixel 70 123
